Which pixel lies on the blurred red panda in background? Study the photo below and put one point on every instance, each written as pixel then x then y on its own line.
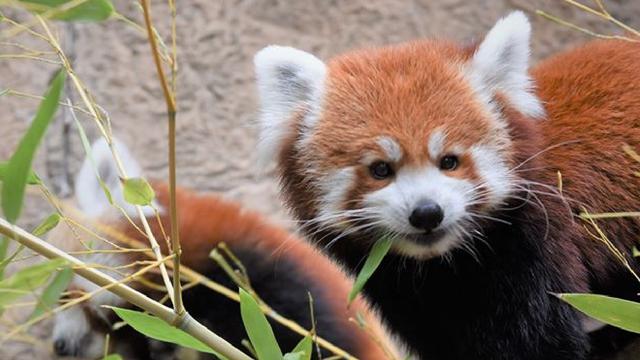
pixel 453 152
pixel 282 269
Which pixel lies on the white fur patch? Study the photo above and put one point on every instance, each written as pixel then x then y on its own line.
pixel 334 188
pixel 288 80
pixel 91 197
pixel 418 251
pixel 390 148
pixel 495 173
pixel 436 144
pixel 501 64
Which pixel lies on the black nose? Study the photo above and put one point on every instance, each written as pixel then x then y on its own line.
pixel 426 216
pixel 60 347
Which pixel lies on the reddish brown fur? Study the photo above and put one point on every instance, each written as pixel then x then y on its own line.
pixel 592 97
pixel 355 127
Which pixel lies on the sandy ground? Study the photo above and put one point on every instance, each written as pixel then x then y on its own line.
pixel 217 101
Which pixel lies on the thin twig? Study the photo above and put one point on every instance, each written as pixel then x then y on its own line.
pixel 582 29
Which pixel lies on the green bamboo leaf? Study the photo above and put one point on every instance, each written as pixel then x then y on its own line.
pixel 302 351
pixel 378 252
pixel 112 357
pixel 19 165
pixel 7 260
pixel 157 329
pixel 137 191
pixel 32 178
pixel 26 280
pixel 298 355
pixel 635 252
pixel 258 329
pixel 89 10
pixel 47 225
pixel 51 294
pixel 620 313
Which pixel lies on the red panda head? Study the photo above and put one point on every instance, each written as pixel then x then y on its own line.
pixel 414 141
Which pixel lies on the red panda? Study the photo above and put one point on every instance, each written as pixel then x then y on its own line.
pixel 454 153
pixel 282 269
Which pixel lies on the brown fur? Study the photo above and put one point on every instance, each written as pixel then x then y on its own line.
pixel 592 97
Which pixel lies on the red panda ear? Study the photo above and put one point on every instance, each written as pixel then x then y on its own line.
pixel 500 64
pixel 100 166
pixel 289 80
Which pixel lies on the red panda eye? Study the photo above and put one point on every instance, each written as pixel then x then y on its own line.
pixel 449 163
pixel 380 170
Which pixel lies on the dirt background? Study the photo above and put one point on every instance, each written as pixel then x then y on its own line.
pixel 216 97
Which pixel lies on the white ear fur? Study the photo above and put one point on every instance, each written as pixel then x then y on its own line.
pixel 288 79
pixel 501 64
pixel 89 194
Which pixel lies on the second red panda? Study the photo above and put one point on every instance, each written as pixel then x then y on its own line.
pixel 281 269
pixel 454 153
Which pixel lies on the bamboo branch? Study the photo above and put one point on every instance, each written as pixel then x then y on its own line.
pixel 171 113
pixel 186 323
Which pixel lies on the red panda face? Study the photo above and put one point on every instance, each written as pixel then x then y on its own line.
pixel 406 141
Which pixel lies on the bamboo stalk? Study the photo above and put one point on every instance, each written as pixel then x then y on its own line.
pixel 186 322
pixel 171 113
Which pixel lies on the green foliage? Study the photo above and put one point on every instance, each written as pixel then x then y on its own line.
pixel 157 329
pixel 27 280
pixel 32 178
pixel 620 313
pixel 137 191
pixel 258 328
pixel 51 293
pixel 90 10
pixel 635 252
pixel 302 351
pixel 47 225
pixel 294 356
pixel 112 357
pixel 378 252
pixel 19 166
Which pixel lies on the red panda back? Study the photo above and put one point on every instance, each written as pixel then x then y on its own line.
pixel 592 98
pixel 207 220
